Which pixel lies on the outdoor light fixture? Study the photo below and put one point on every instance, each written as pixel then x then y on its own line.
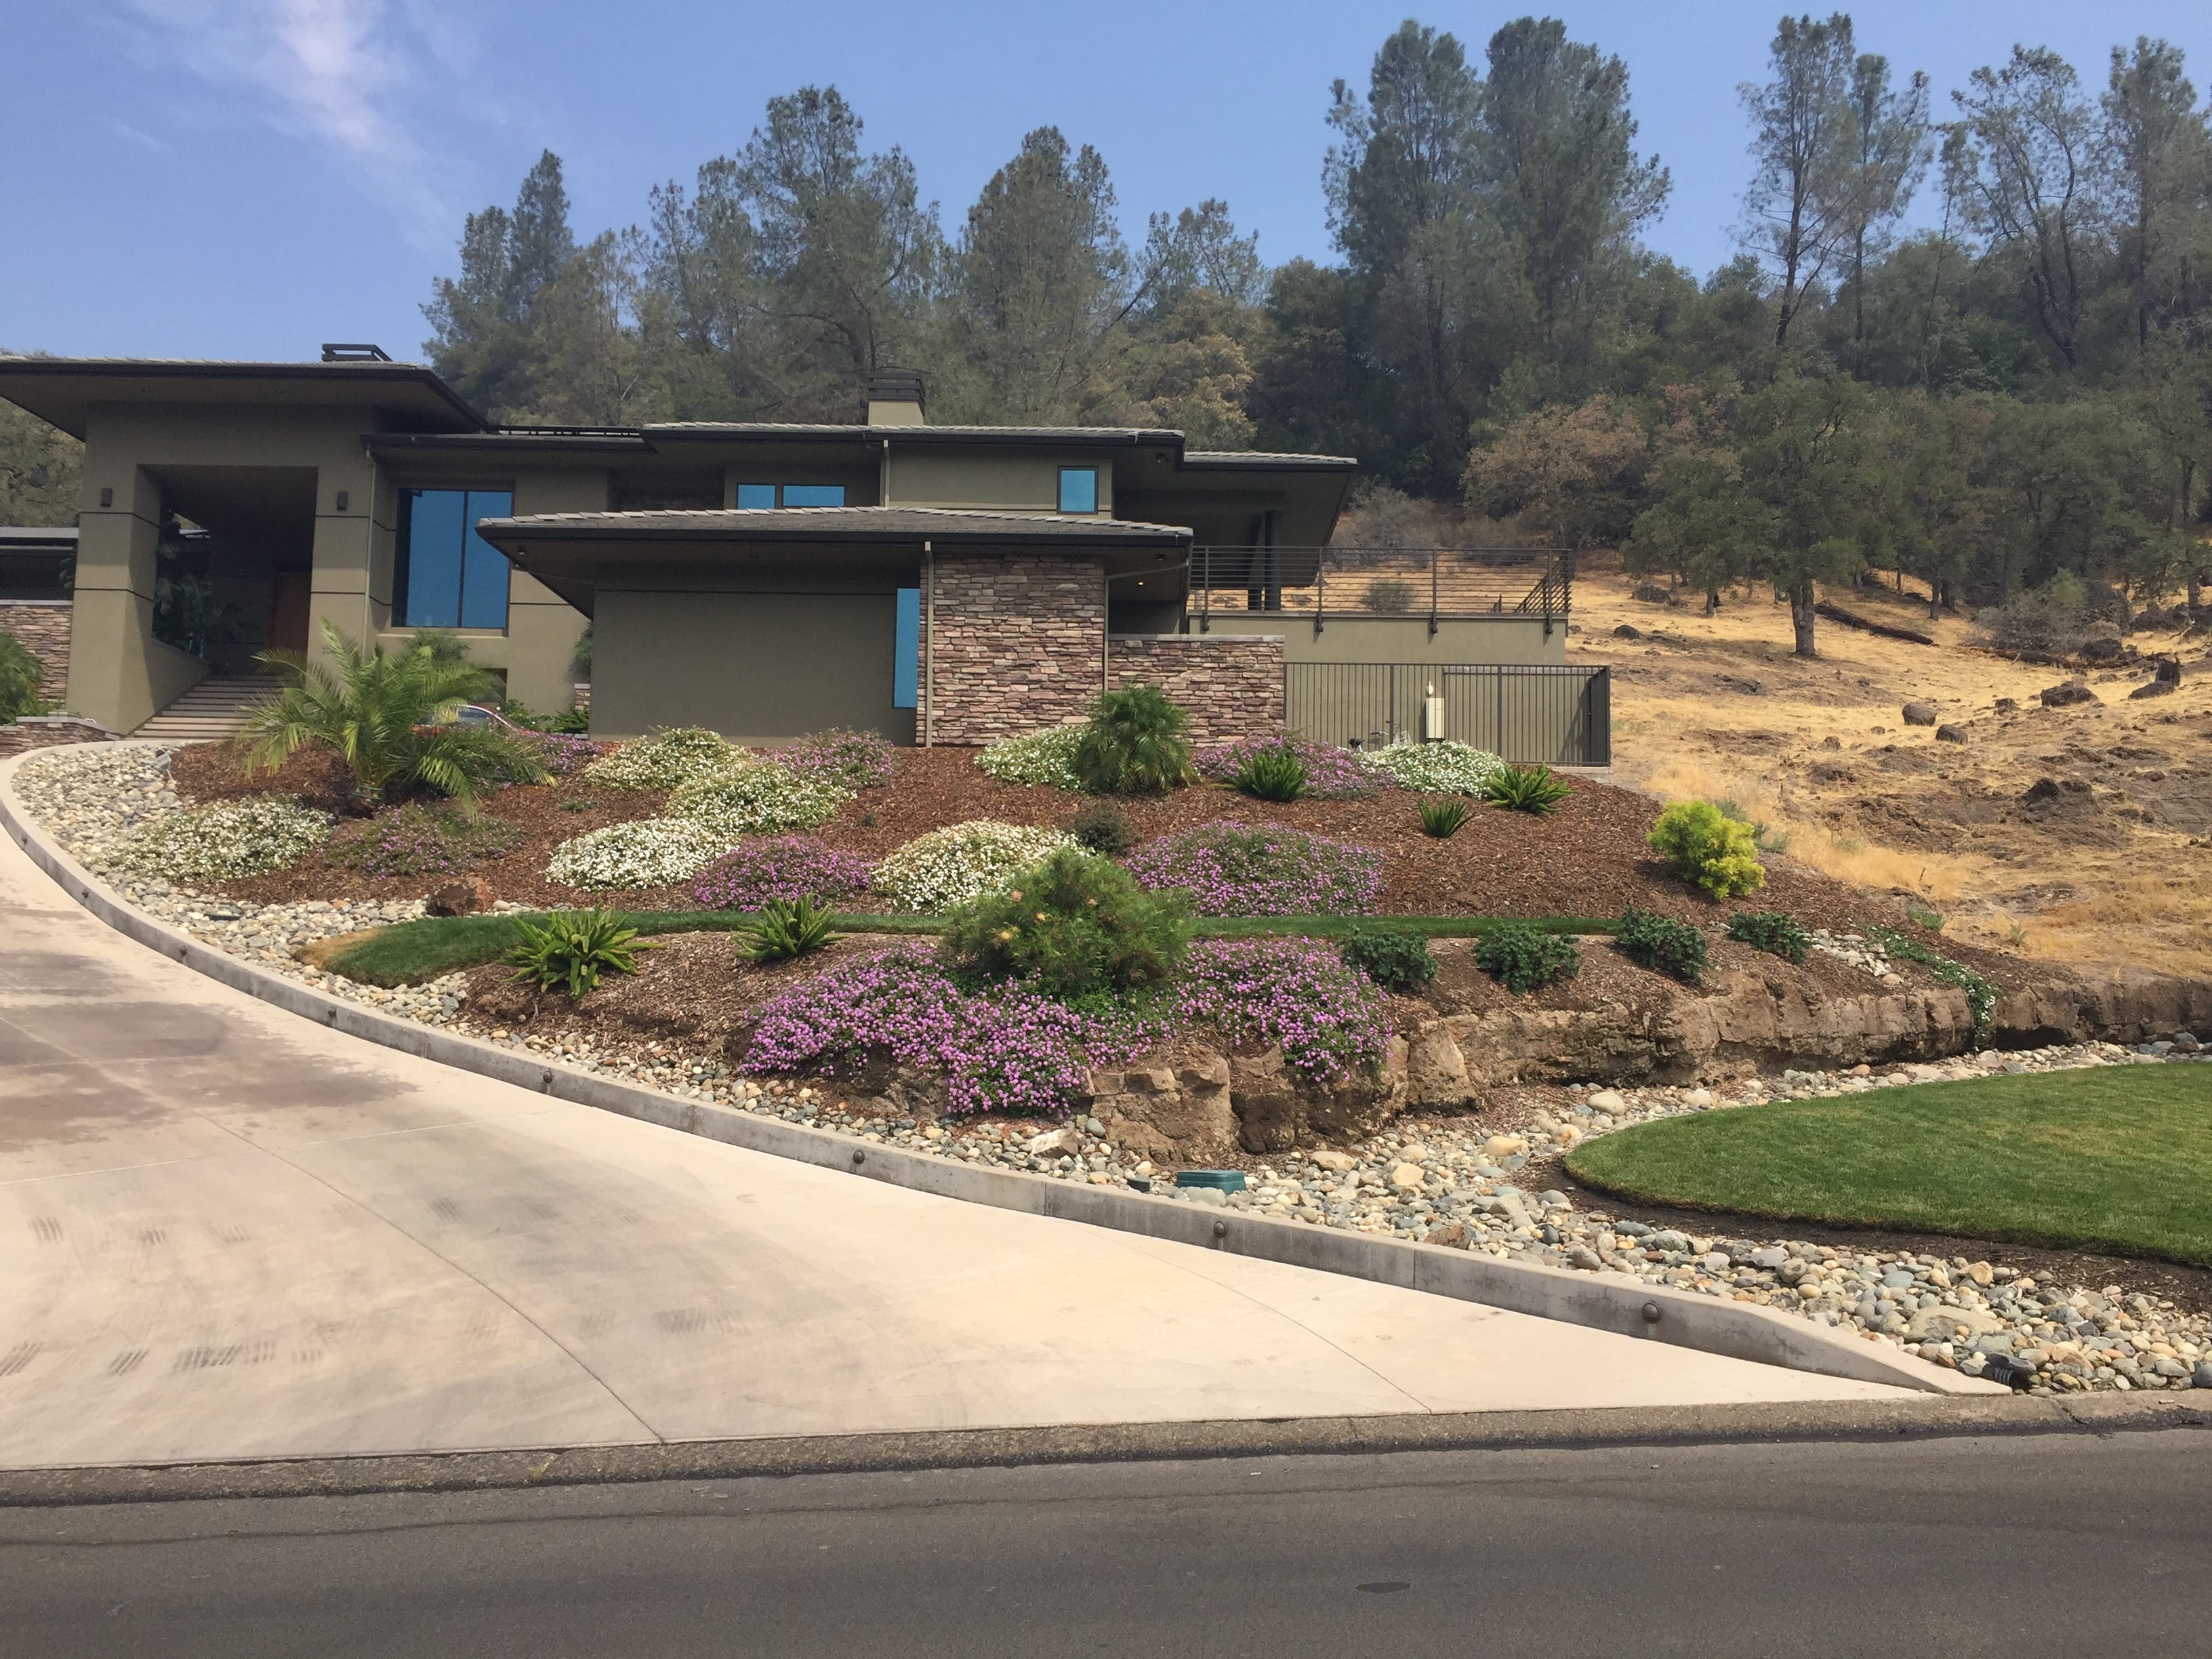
pixel 107 496
pixel 342 500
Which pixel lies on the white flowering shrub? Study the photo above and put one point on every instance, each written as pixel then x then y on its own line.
pixel 760 800
pixel 1045 757
pixel 668 760
pixel 229 838
pixel 933 872
pixel 648 852
pixel 1434 768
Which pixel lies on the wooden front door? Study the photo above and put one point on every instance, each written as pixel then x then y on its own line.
pixel 287 609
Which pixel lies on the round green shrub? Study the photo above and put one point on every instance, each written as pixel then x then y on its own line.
pixel 1394 959
pixel 1708 849
pixel 1073 926
pixel 1103 828
pixel 1661 944
pixel 1523 959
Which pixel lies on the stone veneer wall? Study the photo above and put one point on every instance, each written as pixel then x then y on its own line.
pixel 1019 644
pixel 43 625
pixel 1230 684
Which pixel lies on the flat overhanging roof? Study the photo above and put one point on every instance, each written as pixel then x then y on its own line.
pixel 823 526
pixel 63 390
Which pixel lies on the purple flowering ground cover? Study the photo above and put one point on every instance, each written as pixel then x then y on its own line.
pixel 1003 1050
pixel 859 760
pixel 1233 869
pixel 786 867
pixel 1333 772
pixel 1007 1049
pixel 560 752
pixel 1328 1019
pixel 416 840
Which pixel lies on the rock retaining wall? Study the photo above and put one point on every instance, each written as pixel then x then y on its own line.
pixel 1232 685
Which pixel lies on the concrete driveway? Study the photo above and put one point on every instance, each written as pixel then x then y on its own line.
pixel 226 1233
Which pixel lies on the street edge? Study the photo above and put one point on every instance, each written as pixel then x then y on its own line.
pixel 1772 1423
pixel 1735 1330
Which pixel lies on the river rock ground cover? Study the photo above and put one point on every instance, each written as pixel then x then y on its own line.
pixel 1485 1178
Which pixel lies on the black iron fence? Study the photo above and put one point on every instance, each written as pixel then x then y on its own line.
pixel 1441 583
pixel 1524 713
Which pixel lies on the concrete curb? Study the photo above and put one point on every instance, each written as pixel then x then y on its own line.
pixel 1737 1330
pixel 1768 1423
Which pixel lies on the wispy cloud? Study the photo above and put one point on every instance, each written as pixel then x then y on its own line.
pixel 124 130
pixel 343 73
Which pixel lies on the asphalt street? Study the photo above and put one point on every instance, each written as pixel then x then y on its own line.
pixel 2003 1546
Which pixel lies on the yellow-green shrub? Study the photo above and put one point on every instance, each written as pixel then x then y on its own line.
pixel 1708 850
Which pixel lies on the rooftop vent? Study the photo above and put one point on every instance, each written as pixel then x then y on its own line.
pixel 895 398
pixel 342 353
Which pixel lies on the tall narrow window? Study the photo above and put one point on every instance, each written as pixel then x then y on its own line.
pixel 1078 489
pixel 448 576
pixel 906 650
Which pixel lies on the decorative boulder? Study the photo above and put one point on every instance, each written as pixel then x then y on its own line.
pixel 464 896
pixel 1920 714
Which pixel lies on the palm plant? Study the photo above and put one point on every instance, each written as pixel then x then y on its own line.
pixel 388 716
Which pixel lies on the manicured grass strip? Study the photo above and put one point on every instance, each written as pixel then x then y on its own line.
pixel 2116 1160
pixel 412 951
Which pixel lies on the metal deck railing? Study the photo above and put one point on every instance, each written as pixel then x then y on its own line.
pixel 1440 583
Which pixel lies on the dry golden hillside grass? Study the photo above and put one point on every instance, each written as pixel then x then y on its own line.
pixel 2115 867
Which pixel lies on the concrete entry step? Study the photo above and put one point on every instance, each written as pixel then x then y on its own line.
pixel 212 709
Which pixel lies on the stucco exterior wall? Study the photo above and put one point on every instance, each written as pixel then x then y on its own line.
pixel 43 627
pixel 759 667
pixel 1230 686
pixel 1019 644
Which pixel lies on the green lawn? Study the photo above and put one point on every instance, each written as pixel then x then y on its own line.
pixel 2117 1159
pixel 412 951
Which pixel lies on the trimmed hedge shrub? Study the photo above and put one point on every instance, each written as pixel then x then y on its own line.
pixel 1661 944
pixel 1077 924
pixel 1523 959
pixel 1708 849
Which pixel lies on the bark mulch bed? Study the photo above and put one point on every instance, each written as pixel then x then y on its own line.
pixel 1588 858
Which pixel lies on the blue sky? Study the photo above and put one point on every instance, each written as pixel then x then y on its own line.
pixel 249 177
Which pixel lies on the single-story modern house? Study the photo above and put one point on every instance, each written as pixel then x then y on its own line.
pixel 938 584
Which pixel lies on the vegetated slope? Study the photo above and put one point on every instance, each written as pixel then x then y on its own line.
pixel 2112 865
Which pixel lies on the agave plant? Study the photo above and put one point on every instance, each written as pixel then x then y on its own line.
pixel 785 929
pixel 388 715
pixel 1441 817
pixel 1272 775
pixel 1534 789
pixel 571 948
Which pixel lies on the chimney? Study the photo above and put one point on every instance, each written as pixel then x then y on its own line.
pixel 894 398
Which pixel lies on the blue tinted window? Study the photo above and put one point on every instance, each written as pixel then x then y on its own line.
pixel 905 654
pixel 430 559
pixel 814 495
pixel 483 571
pixel 1078 489
pixel 753 497
pixel 449 576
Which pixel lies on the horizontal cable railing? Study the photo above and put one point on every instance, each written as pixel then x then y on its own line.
pixel 1524 713
pixel 1437 582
